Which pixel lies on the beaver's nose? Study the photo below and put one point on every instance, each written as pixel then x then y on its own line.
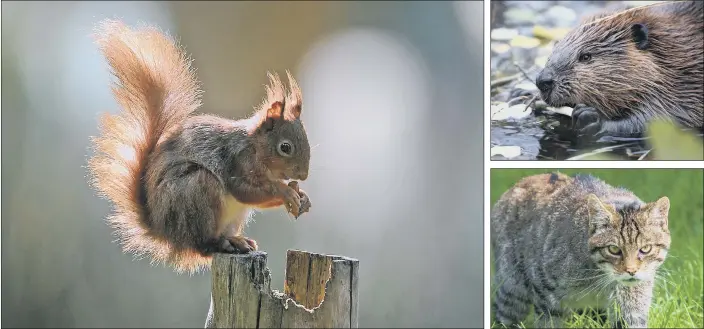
pixel 545 81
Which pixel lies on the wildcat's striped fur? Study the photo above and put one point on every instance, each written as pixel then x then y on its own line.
pixel 563 243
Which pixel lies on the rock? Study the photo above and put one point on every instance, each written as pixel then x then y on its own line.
pixel 500 47
pixel 562 16
pixel 503 34
pixel 528 86
pixel 639 3
pixel 541 61
pixel 506 151
pixel 502 111
pixel 519 16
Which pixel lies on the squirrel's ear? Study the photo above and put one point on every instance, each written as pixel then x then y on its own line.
pixel 294 99
pixel 276 111
pixel 639 32
pixel 273 113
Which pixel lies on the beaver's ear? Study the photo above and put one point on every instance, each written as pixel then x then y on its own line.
pixel 639 32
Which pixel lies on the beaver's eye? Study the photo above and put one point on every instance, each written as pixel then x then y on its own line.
pixel 646 249
pixel 585 57
pixel 285 148
pixel 614 250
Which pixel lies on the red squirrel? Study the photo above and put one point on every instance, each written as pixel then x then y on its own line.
pixel 183 185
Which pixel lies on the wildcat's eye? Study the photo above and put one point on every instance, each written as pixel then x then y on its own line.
pixel 285 148
pixel 585 57
pixel 614 250
pixel 646 249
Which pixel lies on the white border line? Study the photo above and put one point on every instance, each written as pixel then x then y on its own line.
pixel 487 163
pixel 627 164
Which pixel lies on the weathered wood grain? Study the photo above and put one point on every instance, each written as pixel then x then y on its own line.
pixel 320 291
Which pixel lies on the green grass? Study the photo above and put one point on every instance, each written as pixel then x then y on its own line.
pixel 677 300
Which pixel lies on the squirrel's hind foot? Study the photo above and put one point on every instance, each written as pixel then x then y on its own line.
pixel 237 245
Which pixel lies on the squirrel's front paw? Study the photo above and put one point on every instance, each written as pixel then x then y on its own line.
pixel 292 201
pixel 305 203
pixel 586 121
pixel 239 245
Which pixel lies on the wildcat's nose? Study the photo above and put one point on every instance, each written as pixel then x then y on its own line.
pixel 631 271
pixel 545 80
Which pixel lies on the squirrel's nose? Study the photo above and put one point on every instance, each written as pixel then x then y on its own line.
pixel 545 81
pixel 302 173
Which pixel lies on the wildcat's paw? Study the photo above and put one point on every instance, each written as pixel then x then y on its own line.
pixel 586 121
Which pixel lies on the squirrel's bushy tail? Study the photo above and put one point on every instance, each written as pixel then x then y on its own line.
pixel 156 90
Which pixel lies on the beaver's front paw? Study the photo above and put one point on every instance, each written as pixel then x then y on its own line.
pixel 586 121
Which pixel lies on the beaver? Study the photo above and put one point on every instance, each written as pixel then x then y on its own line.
pixel 621 70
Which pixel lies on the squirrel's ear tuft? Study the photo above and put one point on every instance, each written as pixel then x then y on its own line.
pixel 294 99
pixel 274 103
pixel 639 32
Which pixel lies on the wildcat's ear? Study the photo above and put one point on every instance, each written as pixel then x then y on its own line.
pixel 599 213
pixel 639 33
pixel 659 211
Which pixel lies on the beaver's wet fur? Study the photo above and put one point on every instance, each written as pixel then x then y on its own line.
pixel 624 69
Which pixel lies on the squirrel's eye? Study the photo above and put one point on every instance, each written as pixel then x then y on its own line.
pixel 285 148
pixel 614 250
pixel 646 249
pixel 585 57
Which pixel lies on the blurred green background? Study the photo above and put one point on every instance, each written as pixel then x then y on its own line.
pixel 392 100
pixel 679 294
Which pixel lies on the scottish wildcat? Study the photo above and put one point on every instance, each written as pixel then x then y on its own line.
pixel 564 243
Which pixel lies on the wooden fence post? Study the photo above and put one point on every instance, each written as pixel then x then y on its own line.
pixel 320 291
